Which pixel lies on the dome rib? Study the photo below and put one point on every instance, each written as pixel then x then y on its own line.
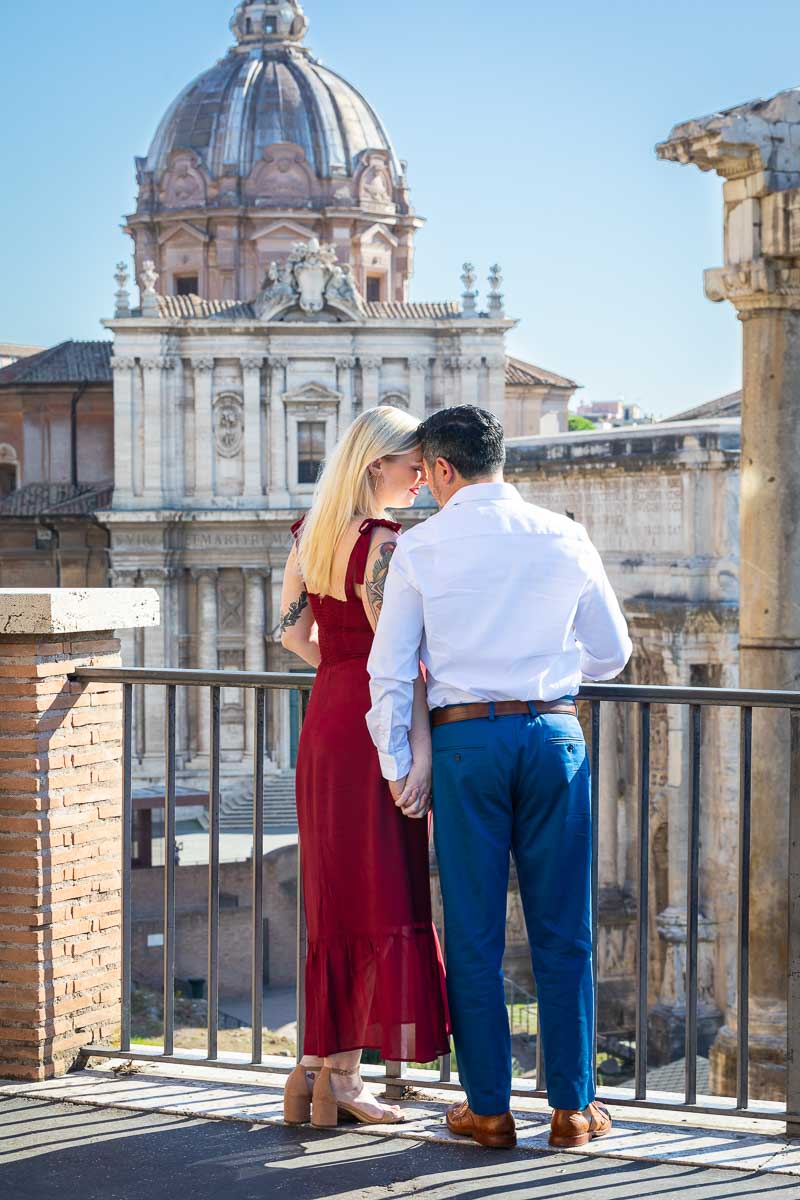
pixel 234 111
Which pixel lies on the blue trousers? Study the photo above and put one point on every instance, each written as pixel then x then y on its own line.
pixel 516 785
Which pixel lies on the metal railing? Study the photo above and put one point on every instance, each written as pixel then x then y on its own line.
pixel 641 698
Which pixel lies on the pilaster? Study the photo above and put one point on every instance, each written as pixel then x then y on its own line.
pixel 253 436
pixel 203 369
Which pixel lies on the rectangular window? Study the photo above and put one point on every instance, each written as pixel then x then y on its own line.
pixel 186 285
pixel 8 479
pixel 310 450
pixel 374 287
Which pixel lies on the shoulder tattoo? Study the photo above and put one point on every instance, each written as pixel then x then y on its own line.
pixel 295 611
pixel 377 583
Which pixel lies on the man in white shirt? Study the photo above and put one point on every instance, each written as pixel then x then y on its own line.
pixel 508 606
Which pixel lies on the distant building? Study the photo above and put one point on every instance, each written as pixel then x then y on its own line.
pixel 10 353
pixel 56 466
pixel 611 414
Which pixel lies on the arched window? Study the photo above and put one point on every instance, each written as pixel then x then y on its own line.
pixel 394 399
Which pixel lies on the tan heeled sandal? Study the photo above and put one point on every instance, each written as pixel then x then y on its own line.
pixel 326 1107
pixel 297 1096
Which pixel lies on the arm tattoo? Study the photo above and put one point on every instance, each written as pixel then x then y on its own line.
pixel 376 585
pixel 295 611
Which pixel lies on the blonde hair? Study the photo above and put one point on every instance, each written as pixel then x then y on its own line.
pixel 344 491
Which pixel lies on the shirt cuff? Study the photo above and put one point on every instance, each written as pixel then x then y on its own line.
pixel 395 766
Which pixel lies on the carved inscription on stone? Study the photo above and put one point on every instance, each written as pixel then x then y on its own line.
pixel 630 515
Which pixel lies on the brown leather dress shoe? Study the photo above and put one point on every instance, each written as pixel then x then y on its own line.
pixel 569 1127
pixel 498 1132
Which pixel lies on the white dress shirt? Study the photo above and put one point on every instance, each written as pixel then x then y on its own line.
pixel 502 600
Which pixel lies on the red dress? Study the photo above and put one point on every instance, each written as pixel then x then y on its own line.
pixel 374 973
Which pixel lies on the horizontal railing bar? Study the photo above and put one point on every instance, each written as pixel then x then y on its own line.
pixel 196 678
pixel 620 693
pixel 434 1084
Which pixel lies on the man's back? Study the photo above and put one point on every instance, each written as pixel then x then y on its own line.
pixel 515 601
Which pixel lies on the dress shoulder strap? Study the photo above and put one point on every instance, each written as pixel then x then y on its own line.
pixel 296 529
pixel 358 559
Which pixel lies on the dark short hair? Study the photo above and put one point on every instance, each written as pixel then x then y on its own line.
pixel 468 437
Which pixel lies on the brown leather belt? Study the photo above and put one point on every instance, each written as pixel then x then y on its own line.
pixel 502 708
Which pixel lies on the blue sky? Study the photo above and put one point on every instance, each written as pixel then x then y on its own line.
pixel 528 129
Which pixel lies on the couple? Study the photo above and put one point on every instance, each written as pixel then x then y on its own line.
pixel 448 660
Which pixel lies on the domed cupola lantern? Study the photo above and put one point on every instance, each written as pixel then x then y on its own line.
pixel 266 148
pixel 256 22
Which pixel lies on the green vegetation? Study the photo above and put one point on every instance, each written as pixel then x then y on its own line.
pixel 575 423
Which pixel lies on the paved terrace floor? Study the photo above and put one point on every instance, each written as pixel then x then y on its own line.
pixel 163 1132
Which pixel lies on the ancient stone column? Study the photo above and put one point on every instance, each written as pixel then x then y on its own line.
pixel 203 369
pixel 253 443
pixel 370 380
pixel 60 829
pixel 278 488
pixel 254 645
pixel 756 149
pixel 207 654
pixel 417 366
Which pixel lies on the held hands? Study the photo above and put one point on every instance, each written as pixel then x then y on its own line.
pixel 412 795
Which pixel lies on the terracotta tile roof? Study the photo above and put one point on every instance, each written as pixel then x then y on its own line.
pixel 518 371
pixel 724 406
pixel 57 500
pixel 420 311
pixel 196 308
pixel 68 362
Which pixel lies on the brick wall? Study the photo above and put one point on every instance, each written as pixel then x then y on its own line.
pixel 60 784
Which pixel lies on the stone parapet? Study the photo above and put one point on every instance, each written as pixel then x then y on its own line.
pixel 60 826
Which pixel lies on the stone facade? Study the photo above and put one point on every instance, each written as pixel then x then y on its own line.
pixel 661 505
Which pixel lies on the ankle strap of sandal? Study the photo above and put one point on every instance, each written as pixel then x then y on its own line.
pixel 341 1071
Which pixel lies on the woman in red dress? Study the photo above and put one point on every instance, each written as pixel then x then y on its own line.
pixel 374 974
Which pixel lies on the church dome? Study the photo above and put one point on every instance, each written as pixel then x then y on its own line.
pixel 268 90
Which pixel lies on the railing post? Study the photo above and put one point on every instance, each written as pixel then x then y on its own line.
pixel 394 1090
pixel 793 982
pixel 61 834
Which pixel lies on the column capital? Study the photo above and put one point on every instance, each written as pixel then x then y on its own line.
pixel 418 362
pixel 208 574
pixel 496 362
pixel 252 362
pixel 203 363
pixel 124 576
pixel 121 363
pixel 155 576
pixel 278 362
pixel 370 362
pixel 255 573
pixel 346 361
